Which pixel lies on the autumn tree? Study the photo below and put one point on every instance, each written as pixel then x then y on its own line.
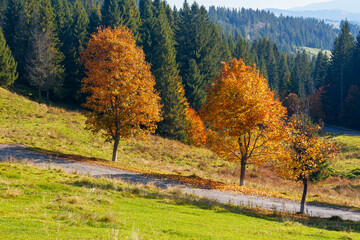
pixel 119 87
pixel 306 155
pixel 244 119
pixel 195 128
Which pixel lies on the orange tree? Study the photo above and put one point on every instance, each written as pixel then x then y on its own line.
pixel 119 87
pixel 244 119
pixel 196 130
pixel 307 153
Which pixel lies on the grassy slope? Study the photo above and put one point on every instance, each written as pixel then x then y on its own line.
pixel 54 129
pixel 49 204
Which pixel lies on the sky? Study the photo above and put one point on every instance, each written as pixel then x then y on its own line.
pixel 261 4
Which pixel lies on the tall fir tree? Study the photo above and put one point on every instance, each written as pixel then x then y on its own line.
pixel 339 75
pixel 40 58
pixel 199 39
pixel 111 15
pixel 320 69
pixel 15 32
pixel 121 12
pixel 94 17
pixel 41 13
pixel 168 83
pixel 147 27
pixel 8 73
pixel 77 38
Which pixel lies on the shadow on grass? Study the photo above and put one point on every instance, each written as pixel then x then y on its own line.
pixel 177 197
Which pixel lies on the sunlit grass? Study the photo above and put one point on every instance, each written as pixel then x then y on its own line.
pixel 57 130
pixel 49 204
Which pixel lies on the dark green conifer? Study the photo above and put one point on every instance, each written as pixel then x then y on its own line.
pixel 111 14
pixel 8 65
pixel 168 84
pixel 339 75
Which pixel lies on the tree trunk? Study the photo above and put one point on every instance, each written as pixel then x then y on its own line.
pixel 242 172
pixel 47 95
pixel 116 145
pixel 303 199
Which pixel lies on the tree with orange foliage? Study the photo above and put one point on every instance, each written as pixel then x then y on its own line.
pixel 196 130
pixel 119 87
pixel 307 153
pixel 245 120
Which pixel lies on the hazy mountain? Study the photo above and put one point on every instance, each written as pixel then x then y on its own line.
pixel 332 16
pixel 352 6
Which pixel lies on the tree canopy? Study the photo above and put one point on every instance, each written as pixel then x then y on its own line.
pixel 119 87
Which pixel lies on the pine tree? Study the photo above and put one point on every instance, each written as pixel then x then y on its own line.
pixel 16 33
pixel 8 65
pixel 131 17
pixel 196 85
pixel 94 18
pixel 12 19
pixel 77 38
pixel 356 62
pixel 41 14
pixel 199 39
pixel 301 75
pixel 339 75
pixel 320 69
pixel 40 59
pixel 111 14
pixel 147 27
pixel 165 70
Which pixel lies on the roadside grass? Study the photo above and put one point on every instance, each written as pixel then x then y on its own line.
pixel 348 163
pixel 55 130
pixel 50 204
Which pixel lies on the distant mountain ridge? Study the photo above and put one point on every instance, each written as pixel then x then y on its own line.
pixel 333 11
pixel 334 15
pixel 351 6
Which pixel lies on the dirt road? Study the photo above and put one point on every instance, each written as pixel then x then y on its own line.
pixel 19 152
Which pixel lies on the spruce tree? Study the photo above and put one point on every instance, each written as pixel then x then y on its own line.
pixel 41 13
pixel 320 69
pixel 147 27
pixel 168 84
pixel 8 65
pixel 131 17
pixel 94 18
pixel 12 21
pixel 40 59
pixel 199 39
pixel 77 38
pixel 111 14
pixel 339 74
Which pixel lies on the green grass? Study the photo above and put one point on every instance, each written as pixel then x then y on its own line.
pixel 49 204
pixel 61 131
pixel 347 164
pixel 314 51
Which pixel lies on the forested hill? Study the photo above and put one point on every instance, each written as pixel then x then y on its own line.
pixel 289 33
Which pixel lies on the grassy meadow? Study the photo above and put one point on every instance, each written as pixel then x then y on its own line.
pixel 56 130
pixel 50 204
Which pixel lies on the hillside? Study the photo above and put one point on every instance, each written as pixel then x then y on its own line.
pixel 56 130
pixel 289 33
pixel 49 204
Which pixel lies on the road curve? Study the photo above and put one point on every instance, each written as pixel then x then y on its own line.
pixel 20 152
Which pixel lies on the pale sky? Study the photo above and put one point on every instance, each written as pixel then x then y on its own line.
pixel 261 4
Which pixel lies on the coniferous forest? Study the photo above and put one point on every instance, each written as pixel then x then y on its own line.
pixel 41 44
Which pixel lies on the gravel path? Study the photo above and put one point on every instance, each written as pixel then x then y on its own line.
pixel 19 152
